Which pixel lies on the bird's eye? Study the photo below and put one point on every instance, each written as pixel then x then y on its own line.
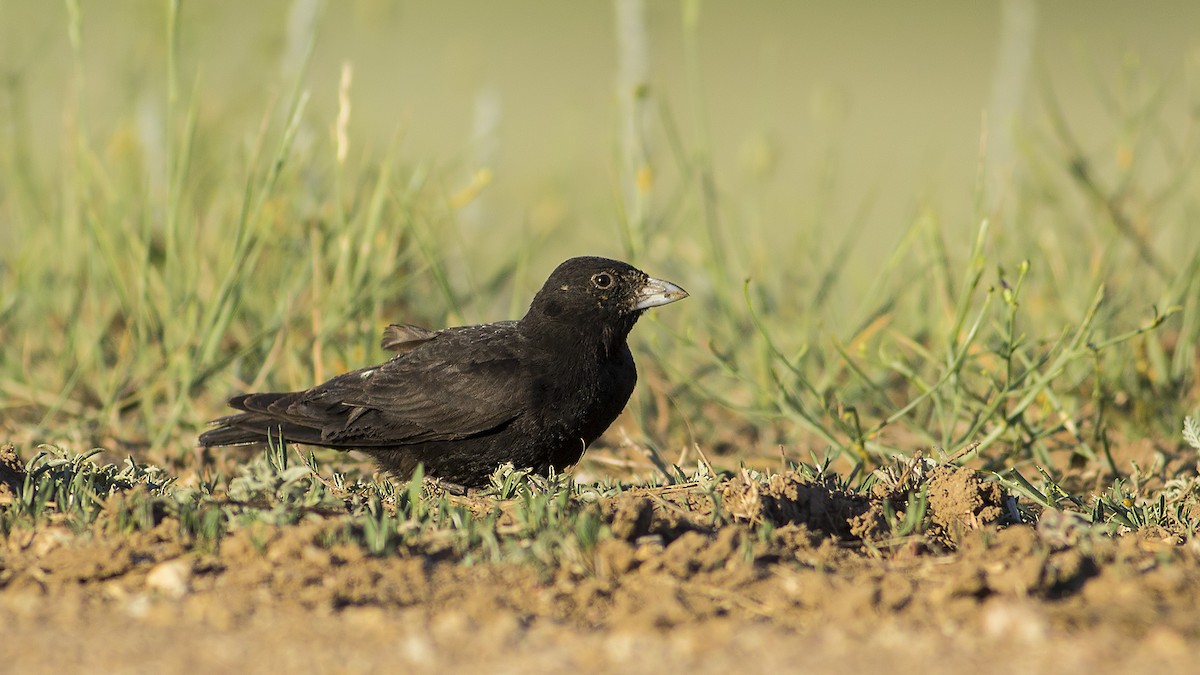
pixel 602 280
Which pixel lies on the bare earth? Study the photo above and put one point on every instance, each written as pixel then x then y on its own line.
pixel 668 592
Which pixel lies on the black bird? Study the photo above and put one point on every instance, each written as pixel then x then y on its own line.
pixel 462 401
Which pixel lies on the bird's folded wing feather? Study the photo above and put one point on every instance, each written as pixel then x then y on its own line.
pixel 455 386
pixel 405 337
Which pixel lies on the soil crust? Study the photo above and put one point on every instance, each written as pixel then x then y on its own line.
pixel 799 575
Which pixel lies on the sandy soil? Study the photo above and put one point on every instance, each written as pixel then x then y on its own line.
pixel 669 591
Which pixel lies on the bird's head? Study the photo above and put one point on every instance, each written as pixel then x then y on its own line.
pixel 601 295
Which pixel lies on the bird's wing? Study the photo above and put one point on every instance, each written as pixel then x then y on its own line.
pixel 457 384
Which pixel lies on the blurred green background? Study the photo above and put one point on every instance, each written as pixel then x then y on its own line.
pixel 852 109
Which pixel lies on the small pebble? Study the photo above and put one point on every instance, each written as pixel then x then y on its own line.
pixel 172 578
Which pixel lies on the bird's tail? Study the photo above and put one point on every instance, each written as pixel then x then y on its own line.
pixel 257 425
pixel 237 430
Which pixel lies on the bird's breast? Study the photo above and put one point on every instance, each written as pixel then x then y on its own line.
pixel 571 407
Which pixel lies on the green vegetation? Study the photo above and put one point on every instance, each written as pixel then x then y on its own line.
pixel 1038 345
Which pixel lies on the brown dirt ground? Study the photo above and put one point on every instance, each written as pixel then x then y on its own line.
pixel 669 592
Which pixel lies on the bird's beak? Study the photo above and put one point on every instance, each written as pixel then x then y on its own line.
pixel 657 292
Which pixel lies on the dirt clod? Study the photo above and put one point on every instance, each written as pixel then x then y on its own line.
pixel 788 498
pixel 12 474
pixel 959 499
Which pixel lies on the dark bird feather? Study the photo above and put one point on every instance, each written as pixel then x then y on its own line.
pixel 462 401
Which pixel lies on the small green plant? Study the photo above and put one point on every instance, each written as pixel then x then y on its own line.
pixel 1191 433
pixel 1121 506
pixel 74 486
pixel 271 482
pixel 380 528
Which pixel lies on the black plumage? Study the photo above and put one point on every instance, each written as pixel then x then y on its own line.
pixel 462 401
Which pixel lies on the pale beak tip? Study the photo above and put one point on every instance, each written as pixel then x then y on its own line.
pixel 658 292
